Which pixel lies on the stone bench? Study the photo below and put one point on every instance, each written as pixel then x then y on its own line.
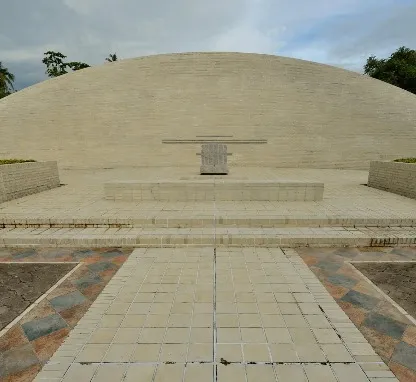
pixel 210 190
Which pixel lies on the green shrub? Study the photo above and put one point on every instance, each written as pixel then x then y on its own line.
pixel 406 160
pixel 12 161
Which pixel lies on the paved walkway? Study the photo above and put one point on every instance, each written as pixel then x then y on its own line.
pixel 243 314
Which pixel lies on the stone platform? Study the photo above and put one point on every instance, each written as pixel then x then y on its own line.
pixel 80 203
pixel 214 190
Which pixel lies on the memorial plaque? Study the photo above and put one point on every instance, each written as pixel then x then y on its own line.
pixel 214 159
pixel 214 150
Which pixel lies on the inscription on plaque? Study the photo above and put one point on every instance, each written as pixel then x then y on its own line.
pixel 214 150
pixel 214 159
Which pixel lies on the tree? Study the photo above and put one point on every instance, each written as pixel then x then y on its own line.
pixel 56 66
pixel 77 65
pixel 398 70
pixel 6 81
pixel 112 57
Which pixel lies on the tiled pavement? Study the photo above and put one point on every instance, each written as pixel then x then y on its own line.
pixel 26 347
pixel 237 314
pixel 388 330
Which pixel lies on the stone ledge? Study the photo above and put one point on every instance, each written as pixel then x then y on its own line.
pixel 195 222
pixel 222 237
pixel 218 190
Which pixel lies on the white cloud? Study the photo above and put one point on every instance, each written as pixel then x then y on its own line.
pixel 26 54
pixel 338 32
pixel 253 33
pixel 83 7
pixel 244 38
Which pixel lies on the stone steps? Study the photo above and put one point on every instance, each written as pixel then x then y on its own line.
pixel 208 221
pixel 227 237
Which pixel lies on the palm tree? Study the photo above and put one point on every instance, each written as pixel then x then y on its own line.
pixel 111 57
pixel 6 81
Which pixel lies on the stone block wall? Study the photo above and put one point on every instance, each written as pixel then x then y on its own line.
pixel 312 115
pixel 206 190
pixel 21 179
pixel 396 177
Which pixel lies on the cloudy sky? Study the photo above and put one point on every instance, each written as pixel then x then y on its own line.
pixel 337 32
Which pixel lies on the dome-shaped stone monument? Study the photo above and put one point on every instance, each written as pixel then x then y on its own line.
pixel 118 114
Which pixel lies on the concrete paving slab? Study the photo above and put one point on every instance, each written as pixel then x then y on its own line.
pixel 246 349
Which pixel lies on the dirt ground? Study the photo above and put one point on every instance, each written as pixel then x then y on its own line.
pixel 22 284
pixel 397 280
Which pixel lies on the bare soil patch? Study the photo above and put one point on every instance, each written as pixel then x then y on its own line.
pixel 22 284
pixel 397 280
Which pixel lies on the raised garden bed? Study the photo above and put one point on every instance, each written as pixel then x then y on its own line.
pixel 398 177
pixel 20 177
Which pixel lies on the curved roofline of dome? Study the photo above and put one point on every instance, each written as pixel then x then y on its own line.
pixel 126 60
pixel 312 114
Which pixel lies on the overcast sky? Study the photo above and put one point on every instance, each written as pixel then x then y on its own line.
pixel 337 32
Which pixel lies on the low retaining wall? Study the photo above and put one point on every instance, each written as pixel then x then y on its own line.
pixel 208 190
pixel 21 179
pixel 396 177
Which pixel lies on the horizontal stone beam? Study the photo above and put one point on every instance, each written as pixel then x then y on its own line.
pixel 214 136
pixel 224 141
pixel 228 154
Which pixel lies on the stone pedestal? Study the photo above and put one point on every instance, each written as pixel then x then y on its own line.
pixel 214 159
pixel 214 189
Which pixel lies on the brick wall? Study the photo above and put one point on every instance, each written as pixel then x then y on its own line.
pixel 396 177
pixel 20 179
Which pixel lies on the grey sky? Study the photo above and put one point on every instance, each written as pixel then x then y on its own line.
pixel 337 32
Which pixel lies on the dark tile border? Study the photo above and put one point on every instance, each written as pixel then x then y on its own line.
pixel 386 327
pixel 30 343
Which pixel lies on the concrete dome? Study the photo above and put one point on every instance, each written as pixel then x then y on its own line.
pixel 117 114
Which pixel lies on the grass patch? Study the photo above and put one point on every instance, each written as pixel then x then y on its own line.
pixel 406 160
pixel 13 161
